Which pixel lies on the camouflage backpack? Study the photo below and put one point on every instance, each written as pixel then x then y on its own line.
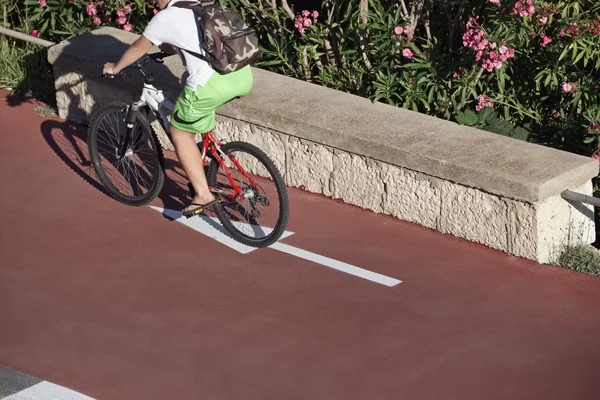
pixel 229 42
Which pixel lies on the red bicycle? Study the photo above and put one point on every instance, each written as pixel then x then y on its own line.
pixel 128 160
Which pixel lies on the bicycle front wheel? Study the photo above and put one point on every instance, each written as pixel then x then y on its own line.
pixel 136 178
pixel 258 216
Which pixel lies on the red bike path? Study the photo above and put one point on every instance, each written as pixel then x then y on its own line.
pixel 122 303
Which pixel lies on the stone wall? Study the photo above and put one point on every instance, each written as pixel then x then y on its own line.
pixel 476 185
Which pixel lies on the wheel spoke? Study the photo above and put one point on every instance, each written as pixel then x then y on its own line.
pixel 137 177
pixel 248 219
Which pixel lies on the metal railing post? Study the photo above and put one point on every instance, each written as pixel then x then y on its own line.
pixel 26 38
pixel 583 198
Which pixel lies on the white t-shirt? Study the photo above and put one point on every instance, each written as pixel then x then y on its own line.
pixel 177 27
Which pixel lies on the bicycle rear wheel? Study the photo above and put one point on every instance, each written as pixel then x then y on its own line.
pixel 137 178
pixel 260 216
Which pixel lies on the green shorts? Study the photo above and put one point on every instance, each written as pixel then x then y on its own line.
pixel 194 112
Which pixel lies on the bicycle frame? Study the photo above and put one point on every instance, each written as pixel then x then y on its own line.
pixel 162 107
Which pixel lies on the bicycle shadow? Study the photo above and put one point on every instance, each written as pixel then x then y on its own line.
pixel 69 143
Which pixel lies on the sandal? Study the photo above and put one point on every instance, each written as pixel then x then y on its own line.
pixel 200 209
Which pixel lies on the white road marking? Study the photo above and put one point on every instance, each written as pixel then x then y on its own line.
pixel 47 391
pixel 211 227
pixel 335 264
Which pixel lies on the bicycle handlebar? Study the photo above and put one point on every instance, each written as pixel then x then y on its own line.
pixel 140 64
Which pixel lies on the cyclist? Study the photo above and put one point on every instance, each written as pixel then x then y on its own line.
pixel 205 89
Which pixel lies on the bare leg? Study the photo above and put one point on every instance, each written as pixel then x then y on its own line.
pixel 190 158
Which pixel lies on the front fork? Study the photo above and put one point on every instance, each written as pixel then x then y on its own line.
pixel 132 113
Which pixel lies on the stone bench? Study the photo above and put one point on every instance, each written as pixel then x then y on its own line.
pixel 480 186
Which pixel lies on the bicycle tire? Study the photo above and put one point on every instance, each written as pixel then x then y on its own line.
pixel 147 133
pixel 275 176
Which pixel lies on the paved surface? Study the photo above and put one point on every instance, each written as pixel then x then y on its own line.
pixel 122 303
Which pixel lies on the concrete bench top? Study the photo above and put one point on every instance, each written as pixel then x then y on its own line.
pixel 490 162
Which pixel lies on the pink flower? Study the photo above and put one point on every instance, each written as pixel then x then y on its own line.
pixel 495 1
pixel 127 27
pixel 407 30
pixel 545 40
pixel 593 127
pixel 596 157
pixel 543 20
pixel 42 3
pixel 572 30
pixel 122 20
pixel 127 9
pixel 120 13
pixel 594 27
pixel 483 102
pixel 567 87
pixel 35 33
pixel 299 24
pixel 524 8
pixel 407 53
pixel 475 38
pixel 398 30
pixel 303 20
pixel 155 11
pixel 91 9
pixel 96 20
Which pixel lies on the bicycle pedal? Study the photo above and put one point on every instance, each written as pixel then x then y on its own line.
pixel 192 213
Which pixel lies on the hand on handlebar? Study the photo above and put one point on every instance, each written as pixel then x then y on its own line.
pixel 109 70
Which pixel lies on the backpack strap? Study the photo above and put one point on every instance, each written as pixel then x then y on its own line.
pixel 191 5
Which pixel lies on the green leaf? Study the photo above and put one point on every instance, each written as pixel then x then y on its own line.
pixel 589 139
pixel 414 66
pixel 579 57
pixel 564 52
pixel 574 52
pixel 44 26
pixel 520 133
pixel 431 94
pixel 486 113
pixel 269 63
pixel 471 117
pixel 461 118
pixel 500 126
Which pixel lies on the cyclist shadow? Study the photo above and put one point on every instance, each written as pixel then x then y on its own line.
pixel 69 142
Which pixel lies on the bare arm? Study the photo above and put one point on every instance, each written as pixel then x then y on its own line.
pixel 131 55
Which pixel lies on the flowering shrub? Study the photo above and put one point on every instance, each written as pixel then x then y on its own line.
pixel 523 68
pixel 59 19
